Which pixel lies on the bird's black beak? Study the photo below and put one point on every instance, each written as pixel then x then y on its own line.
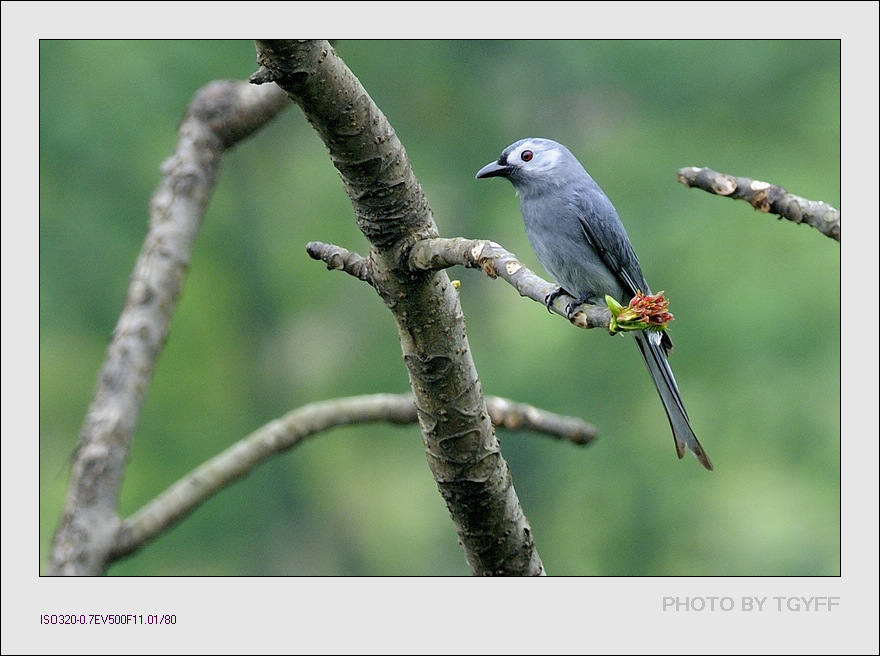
pixel 493 169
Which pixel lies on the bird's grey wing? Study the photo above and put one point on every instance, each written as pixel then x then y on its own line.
pixel 605 233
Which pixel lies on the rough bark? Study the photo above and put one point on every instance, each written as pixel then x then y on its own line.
pixel 393 213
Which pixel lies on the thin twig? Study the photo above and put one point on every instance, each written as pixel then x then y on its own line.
pixel 496 262
pixel 765 197
pixel 341 259
pixel 283 434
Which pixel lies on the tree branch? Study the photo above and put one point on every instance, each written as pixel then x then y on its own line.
pixel 341 259
pixel 496 262
pixel 393 214
pixel 523 417
pixel 283 434
pixel 765 197
pixel 220 114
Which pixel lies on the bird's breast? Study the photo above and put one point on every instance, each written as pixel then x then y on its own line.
pixel 562 248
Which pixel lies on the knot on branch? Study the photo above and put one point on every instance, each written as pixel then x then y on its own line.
pixel 282 61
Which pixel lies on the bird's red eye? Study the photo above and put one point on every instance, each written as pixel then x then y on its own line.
pixel 527 155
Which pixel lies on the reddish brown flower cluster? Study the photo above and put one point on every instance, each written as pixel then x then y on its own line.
pixel 651 309
pixel 644 312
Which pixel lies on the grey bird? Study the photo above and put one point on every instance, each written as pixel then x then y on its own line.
pixel 579 239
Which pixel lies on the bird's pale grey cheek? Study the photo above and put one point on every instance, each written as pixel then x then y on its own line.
pixel 547 164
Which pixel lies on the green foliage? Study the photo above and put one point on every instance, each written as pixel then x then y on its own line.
pixel 262 329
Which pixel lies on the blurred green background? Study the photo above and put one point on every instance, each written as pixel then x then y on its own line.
pixel 261 329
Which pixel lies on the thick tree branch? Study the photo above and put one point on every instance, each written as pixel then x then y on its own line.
pixel 219 115
pixel 765 197
pixel 285 433
pixel 393 214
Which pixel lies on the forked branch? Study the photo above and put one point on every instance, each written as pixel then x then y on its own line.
pixel 220 114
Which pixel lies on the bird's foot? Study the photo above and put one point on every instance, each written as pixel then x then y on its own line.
pixel 552 296
pixel 569 307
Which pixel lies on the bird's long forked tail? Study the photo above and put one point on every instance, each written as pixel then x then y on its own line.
pixel 664 381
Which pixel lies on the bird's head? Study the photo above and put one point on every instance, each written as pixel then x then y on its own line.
pixel 532 164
